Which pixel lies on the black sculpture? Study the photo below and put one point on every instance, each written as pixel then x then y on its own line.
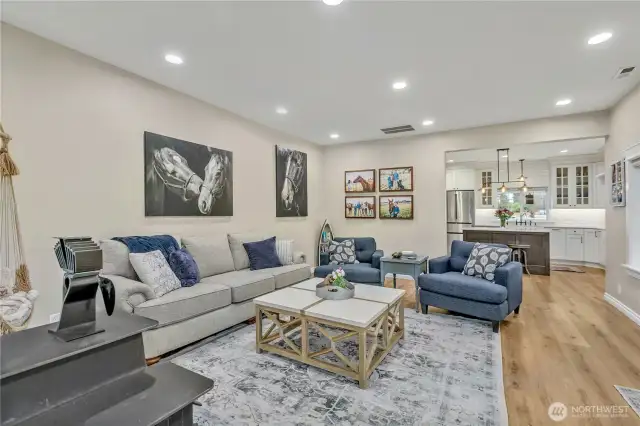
pixel 81 260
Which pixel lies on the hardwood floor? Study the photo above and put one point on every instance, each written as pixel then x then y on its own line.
pixel 567 345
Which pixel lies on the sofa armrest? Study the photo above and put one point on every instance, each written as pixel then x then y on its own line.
pixel 299 257
pixel 375 258
pixel 439 265
pixel 129 293
pixel 510 276
pixel 324 259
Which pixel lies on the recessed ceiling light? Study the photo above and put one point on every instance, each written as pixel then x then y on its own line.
pixel 563 102
pixel 399 85
pixel 505 156
pixel 173 59
pixel 450 161
pixel 281 110
pixel 332 2
pixel 427 122
pixel 334 136
pixel 599 38
pixel 564 150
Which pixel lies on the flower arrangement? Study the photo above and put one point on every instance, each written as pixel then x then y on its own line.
pixel 503 215
pixel 337 278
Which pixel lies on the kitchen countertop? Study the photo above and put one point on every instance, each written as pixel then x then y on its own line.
pixel 513 229
pixel 574 227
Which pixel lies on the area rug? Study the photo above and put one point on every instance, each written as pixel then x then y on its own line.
pixel 446 371
pixel 632 396
pixel 564 268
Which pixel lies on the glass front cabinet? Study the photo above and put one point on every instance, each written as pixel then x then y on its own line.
pixel 571 186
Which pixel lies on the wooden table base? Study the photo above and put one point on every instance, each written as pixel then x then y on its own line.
pixel 385 330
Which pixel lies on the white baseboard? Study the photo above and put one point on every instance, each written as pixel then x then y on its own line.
pixel 576 263
pixel 627 311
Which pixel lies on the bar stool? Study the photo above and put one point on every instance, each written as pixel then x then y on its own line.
pixel 519 254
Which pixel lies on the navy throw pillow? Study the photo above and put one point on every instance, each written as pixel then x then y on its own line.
pixel 185 267
pixel 262 254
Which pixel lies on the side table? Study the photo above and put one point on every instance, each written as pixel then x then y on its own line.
pixel 413 267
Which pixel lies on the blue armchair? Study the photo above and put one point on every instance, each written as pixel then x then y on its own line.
pixel 446 287
pixel 365 272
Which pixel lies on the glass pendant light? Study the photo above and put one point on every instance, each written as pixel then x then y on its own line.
pixel 503 188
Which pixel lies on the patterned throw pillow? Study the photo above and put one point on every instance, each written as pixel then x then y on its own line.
pixel 484 259
pixel 342 253
pixel 153 270
pixel 284 248
pixel 185 267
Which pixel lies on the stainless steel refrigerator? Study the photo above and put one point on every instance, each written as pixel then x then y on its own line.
pixel 461 212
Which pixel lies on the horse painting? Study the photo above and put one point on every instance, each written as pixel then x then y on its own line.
pixel 186 179
pixel 360 181
pixel 360 207
pixel 291 183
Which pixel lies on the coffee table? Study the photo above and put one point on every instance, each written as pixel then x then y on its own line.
pixel 374 318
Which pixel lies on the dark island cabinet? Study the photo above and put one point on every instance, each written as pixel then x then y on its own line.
pixel 538 257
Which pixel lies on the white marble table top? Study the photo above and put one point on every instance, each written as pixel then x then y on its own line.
pixel 363 291
pixel 288 299
pixel 355 312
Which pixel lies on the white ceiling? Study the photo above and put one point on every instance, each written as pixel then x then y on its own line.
pixel 533 151
pixel 466 63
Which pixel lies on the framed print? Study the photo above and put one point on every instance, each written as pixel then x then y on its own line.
pixel 618 184
pixel 395 179
pixel 360 207
pixel 396 207
pixel 360 180
pixel 291 182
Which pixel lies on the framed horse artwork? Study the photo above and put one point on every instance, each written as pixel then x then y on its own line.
pixel 360 207
pixel 291 183
pixel 185 178
pixel 360 180
pixel 396 207
pixel 396 179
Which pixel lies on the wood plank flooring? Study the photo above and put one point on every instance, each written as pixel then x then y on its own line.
pixel 567 345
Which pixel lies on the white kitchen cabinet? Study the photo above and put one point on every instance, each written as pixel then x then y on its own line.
pixel 572 186
pixel 591 246
pixel 575 246
pixel 488 198
pixel 461 179
pixel 558 243
pixel 602 242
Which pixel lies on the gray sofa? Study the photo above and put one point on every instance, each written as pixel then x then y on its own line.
pixel 446 287
pixel 223 297
pixel 365 272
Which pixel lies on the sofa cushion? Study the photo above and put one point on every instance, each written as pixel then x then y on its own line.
pixel 463 287
pixel 239 254
pixel 284 248
pixel 342 252
pixel 365 246
pixel 291 274
pixel 185 267
pixel 115 260
pixel 357 273
pixel 186 302
pixel 154 270
pixel 211 253
pixel 245 284
pixel 485 259
pixel 262 254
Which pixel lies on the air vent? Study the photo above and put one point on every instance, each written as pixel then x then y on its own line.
pixel 624 72
pixel 399 129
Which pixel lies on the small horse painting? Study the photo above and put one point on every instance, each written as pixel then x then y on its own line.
pixel 186 179
pixel 360 181
pixel 360 207
pixel 291 183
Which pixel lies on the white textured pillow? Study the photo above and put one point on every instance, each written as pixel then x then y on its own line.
pixel 284 248
pixel 153 270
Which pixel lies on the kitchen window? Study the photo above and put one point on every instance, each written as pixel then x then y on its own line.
pixel 530 205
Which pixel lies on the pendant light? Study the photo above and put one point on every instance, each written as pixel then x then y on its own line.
pixel 522 178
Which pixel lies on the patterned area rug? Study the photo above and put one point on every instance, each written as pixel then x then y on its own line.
pixel 446 371
pixel 632 396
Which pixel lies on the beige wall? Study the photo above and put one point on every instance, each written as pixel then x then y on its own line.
pixel 78 126
pixel 427 232
pixel 625 132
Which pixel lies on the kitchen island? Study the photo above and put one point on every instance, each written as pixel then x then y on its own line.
pixel 538 255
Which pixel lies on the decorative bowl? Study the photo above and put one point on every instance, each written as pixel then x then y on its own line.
pixel 332 292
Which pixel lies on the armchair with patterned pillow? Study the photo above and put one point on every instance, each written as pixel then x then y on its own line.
pixel 447 287
pixel 367 268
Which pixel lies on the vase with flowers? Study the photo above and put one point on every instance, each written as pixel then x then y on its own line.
pixel 503 215
pixel 335 286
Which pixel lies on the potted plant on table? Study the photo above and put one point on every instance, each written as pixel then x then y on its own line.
pixel 335 286
pixel 503 215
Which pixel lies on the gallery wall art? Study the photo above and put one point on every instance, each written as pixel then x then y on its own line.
pixel 360 207
pixel 396 207
pixel 618 182
pixel 395 179
pixel 360 180
pixel 186 179
pixel 291 183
